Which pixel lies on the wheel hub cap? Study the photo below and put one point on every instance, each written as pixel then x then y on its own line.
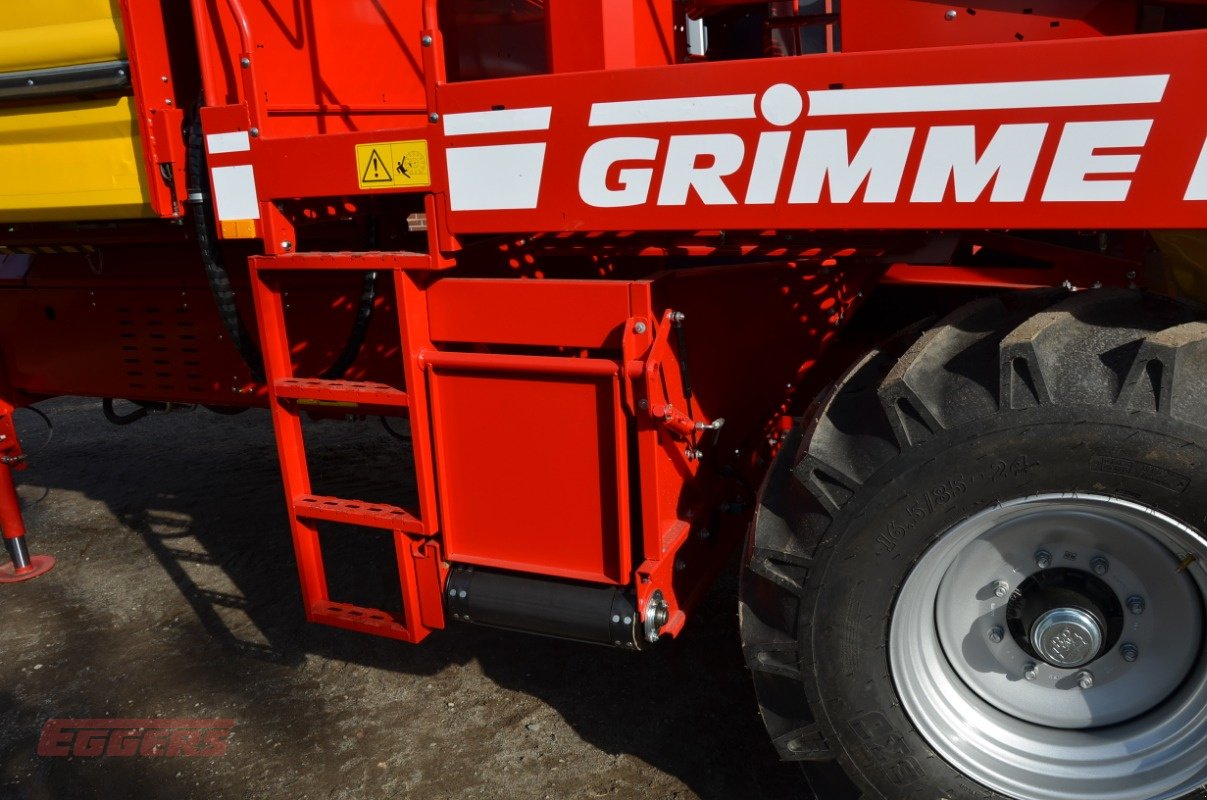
pixel 1067 637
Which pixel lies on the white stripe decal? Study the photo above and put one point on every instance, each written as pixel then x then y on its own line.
pixel 497 177
pixel 989 96
pixel 676 109
pixel 235 193
pixel 505 120
pixel 1197 190
pixel 236 142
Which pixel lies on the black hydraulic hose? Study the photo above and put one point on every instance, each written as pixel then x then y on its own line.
pixel 402 437
pixel 226 411
pixel 211 256
pixel 123 419
pixel 219 278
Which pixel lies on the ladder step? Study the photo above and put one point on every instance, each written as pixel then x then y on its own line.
pixel 315 391
pixel 356 512
pixel 363 620
pixel 348 260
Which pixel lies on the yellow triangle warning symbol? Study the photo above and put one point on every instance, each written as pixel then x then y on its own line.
pixel 376 170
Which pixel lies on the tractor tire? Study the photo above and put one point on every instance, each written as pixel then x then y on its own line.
pixel 977 572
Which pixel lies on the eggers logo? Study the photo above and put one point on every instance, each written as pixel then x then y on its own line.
pixel 804 155
pixel 135 737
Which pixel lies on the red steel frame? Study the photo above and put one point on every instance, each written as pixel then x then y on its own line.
pixel 560 426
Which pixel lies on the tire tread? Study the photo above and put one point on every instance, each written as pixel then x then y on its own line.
pixel 998 355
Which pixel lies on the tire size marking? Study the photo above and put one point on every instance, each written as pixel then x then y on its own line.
pixel 923 504
pixel 885 744
pixel 1160 476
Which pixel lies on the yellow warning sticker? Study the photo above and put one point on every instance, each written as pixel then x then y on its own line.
pixel 392 165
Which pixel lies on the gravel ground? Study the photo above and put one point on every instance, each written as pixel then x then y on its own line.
pixel 176 595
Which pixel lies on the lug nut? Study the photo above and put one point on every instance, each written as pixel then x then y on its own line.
pixel 1135 604
pixel 1085 679
pixel 1129 652
pixel 1001 588
pixel 1043 559
pixel 1100 566
pixel 1030 671
pixel 996 633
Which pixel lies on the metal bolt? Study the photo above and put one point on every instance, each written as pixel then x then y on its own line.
pixel 452 592
pixel 680 565
pixel 1135 604
pixel 616 618
pixel 1085 679
pixel 996 634
pixel 705 534
pixel 433 117
pixel 643 404
pixel 950 15
pixel 286 245
pixel 167 101
pixel 1001 588
pixel 427 41
pixel 163 78
pixel 1131 275
pixel 639 327
pixel 254 133
pixel 1100 565
pixel 1030 671
pixel 1043 559
pixel 628 620
pixel 1129 652
pixel 245 62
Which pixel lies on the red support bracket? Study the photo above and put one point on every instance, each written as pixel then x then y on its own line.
pixel 23 566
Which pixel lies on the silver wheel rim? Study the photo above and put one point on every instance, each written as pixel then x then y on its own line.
pixel 1136 729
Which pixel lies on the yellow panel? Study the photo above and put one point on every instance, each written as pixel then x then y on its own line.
pixel 72 161
pixel 1185 255
pixel 57 33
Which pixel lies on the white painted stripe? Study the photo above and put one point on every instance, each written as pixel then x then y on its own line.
pixel 235 193
pixel 1197 189
pixel 675 109
pixel 235 142
pixel 498 177
pixel 989 96
pixel 505 120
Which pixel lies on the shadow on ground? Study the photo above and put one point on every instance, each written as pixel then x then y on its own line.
pixel 177 595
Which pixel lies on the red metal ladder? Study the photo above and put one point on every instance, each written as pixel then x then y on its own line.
pixel 418 556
